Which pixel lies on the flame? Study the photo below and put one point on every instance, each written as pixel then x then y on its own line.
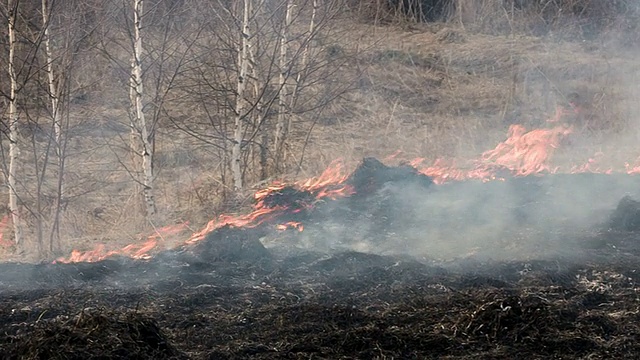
pixel 328 185
pixel 522 153
pixel 633 169
pixel 4 224
pixel 527 153
pixel 393 156
pixel 290 225
pixel 135 251
pixel 592 165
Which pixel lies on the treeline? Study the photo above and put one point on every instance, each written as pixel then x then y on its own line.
pixel 587 18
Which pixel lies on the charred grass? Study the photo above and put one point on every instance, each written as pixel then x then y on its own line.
pixel 369 309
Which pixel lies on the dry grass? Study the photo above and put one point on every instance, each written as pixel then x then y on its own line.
pixel 447 92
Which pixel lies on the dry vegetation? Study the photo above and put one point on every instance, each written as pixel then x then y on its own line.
pixel 445 89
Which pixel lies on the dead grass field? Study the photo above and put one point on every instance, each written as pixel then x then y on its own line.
pixel 438 91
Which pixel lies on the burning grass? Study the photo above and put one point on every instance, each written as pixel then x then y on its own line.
pixel 436 92
pixel 285 205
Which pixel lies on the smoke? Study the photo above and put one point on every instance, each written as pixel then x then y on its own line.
pixel 582 62
pixel 536 217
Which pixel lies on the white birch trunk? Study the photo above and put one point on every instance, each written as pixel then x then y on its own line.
pixel 54 95
pixel 281 124
pixel 53 91
pixel 137 93
pixel 14 151
pixel 243 65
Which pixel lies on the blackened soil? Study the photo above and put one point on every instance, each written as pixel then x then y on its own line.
pixel 243 302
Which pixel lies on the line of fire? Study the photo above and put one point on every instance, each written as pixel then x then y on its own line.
pixel 523 153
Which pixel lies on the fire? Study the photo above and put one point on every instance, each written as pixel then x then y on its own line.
pixel 135 251
pixel 290 225
pixel 593 166
pixel 526 153
pixel 522 153
pixel 4 224
pixel 633 169
pixel 255 218
pixel 329 184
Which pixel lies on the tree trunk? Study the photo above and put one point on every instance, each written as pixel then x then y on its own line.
pixel 54 96
pixel 14 151
pixel 281 124
pixel 140 125
pixel 243 65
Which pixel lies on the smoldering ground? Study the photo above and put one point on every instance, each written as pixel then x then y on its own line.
pixel 514 218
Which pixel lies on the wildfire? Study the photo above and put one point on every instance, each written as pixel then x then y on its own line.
pixel 4 223
pixel 633 169
pixel 329 184
pixel 290 225
pixel 523 153
pixel 593 166
pixel 135 251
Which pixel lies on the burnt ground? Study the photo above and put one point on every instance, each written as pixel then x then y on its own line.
pixel 230 297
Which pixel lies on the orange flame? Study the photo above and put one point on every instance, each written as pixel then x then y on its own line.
pixel 4 224
pixel 592 166
pixel 633 169
pixel 522 153
pixel 527 153
pixel 328 184
pixel 135 251
pixel 291 224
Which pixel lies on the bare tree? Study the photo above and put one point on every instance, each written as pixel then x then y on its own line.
pixel 281 124
pixel 14 151
pixel 263 69
pixel 71 33
pixel 55 88
pixel 140 131
pixel 241 106
pixel 41 66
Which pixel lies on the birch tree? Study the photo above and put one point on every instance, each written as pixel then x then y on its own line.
pixel 55 86
pixel 241 106
pixel 140 131
pixel 259 59
pixel 281 124
pixel 14 151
